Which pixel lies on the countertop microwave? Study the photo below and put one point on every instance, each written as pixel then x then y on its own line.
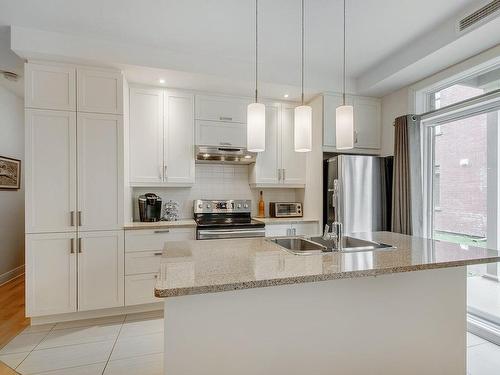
pixel 285 209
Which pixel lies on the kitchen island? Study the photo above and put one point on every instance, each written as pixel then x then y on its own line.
pixel 247 306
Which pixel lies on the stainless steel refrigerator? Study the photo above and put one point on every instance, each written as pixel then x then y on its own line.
pixel 358 192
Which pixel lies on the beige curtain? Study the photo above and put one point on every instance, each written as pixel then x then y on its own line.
pixel 401 184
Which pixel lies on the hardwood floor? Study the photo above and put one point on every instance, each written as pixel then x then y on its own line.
pixel 12 317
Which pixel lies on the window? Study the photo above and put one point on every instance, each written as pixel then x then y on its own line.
pixel 464 89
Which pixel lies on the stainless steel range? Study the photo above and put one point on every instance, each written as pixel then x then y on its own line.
pixel 225 219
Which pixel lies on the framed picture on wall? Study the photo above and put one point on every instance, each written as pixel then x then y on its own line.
pixel 10 173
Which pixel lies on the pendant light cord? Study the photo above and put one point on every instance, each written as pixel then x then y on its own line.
pixel 302 76
pixel 343 79
pixel 256 48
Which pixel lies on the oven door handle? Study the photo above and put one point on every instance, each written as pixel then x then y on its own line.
pixel 216 231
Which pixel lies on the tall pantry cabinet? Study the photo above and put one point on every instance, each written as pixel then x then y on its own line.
pixel 74 188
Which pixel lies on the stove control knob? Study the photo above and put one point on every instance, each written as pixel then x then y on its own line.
pixel 200 205
pixel 239 206
pixel 246 206
pixel 208 205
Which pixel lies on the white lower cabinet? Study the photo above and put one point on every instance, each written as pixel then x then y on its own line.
pixel 51 270
pixel 69 272
pixel 309 228
pixel 143 250
pixel 100 270
pixel 140 288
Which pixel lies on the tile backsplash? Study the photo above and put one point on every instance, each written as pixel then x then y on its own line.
pixel 216 182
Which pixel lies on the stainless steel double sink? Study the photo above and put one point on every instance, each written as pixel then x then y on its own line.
pixel 317 245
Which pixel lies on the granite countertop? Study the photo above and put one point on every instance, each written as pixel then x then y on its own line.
pixel 285 220
pixel 196 267
pixel 184 223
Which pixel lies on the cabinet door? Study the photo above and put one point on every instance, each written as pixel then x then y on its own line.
pixel 221 108
pixel 50 171
pixel 100 171
pixel 265 169
pixel 100 91
pixel 330 104
pixel 146 135
pixel 179 137
pixel 50 87
pixel 100 270
pixel 50 273
pixel 293 163
pixel 367 122
pixel 140 289
pixel 218 133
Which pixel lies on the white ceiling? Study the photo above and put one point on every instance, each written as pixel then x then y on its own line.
pixel 216 36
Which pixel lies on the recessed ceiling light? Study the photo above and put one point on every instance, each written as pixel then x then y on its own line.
pixel 285 96
pixel 161 80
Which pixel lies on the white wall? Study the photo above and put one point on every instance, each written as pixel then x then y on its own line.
pixel 393 105
pixel 216 182
pixel 11 202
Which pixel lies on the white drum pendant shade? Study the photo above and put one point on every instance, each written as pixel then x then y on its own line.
pixel 256 127
pixel 303 129
pixel 344 127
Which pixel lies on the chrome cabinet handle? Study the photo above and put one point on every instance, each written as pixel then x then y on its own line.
pixel 355 136
pixel 162 231
pixel 279 174
pixel 165 170
pixel 157 254
pixel 72 246
pixel 80 221
pixel 223 118
pixel 80 247
pixel 72 218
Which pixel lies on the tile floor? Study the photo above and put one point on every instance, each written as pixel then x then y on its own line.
pixel 133 345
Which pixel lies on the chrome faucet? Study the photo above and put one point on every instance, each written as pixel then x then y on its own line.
pixel 336 235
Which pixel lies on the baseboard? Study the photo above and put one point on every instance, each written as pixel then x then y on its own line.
pixel 12 274
pixel 37 320
pixel 483 328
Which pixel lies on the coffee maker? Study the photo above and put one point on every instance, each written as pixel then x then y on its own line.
pixel 150 207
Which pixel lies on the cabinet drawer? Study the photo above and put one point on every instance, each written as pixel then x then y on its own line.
pixel 139 289
pixel 220 108
pixel 216 133
pixel 142 262
pixel 153 240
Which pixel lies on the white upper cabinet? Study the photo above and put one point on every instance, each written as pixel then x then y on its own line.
pixel 330 104
pixel 279 165
pixel 367 122
pixel 146 135
pixel 179 137
pixel 51 273
pixel 50 171
pixel 293 164
pixel 100 91
pixel 221 108
pixel 161 136
pixel 100 270
pixel 266 169
pixel 50 87
pixel 218 133
pixel 100 171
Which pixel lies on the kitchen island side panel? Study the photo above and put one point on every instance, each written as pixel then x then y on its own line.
pixel 405 323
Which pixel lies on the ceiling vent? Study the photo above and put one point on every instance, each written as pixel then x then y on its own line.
pixel 479 15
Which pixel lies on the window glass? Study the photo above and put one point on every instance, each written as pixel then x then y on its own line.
pixel 466 89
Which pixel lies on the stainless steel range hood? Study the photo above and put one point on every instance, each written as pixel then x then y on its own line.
pixel 224 155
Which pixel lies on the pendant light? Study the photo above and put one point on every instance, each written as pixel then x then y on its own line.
pixel 256 112
pixel 303 113
pixel 344 121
